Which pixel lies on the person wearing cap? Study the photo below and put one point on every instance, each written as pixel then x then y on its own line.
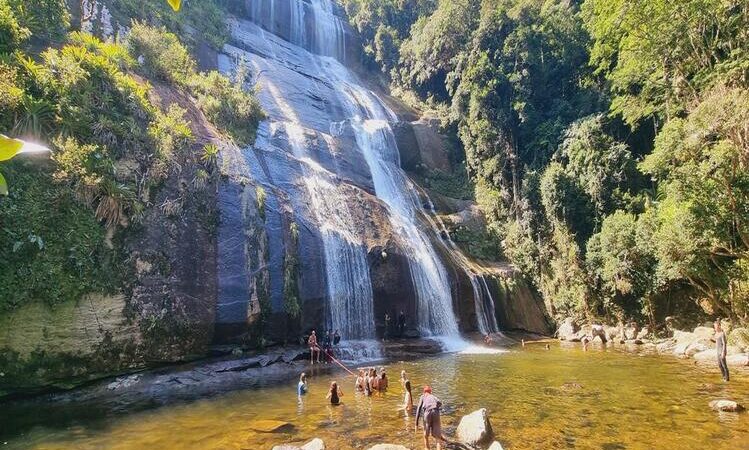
pixel 429 409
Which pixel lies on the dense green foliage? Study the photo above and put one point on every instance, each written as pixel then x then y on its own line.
pixel 207 17
pixel 112 148
pixel 607 140
pixel 223 101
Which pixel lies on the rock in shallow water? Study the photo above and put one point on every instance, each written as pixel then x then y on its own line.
pixel 726 406
pixel 388 447
pixel 475 429
pixel 270 426
pixel 495 446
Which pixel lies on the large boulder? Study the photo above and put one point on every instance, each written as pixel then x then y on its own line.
pixel 707 355
pixel 568 329
pixel 738 360
pixel 698 345
pixel 495 446
pixel 388 447
pixel 475 429
pixel 726 406
pixel 740 338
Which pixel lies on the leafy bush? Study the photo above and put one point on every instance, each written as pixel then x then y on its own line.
pixel 53 246
pixel 12 33
pixel 225 103
pixel 228 105
pixel 164 57
pixel 204 16
pixel 46 19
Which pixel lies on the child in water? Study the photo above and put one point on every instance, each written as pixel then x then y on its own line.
pixel 301 388
pixel 334 394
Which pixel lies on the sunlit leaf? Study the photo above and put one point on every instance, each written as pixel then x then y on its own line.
pixel 175 4
pixel 3 185
pixel 9 147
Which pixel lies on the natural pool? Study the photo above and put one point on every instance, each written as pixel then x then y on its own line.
pixel 537 399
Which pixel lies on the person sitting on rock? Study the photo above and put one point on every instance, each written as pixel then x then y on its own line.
pixel 314 349
pixel 429 409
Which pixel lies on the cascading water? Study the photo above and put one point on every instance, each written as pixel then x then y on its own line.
pixel 347 272
pixel 485 306
pixel 314 104
pixel 310 25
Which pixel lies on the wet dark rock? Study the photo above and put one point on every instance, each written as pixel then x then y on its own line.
pixel 270 426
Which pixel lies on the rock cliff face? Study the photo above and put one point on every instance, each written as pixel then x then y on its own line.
pixel 314 226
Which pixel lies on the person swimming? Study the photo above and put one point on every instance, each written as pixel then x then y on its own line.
pixel 301 388
pixel 334 394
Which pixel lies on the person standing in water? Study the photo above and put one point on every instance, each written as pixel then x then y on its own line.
pixel 314 349
pixel 403 379
pixel 334 394
pixel 721 349
pixel 301 388
pixel 359 384
pixel 383 380
pixel 408 399
pixel 429 408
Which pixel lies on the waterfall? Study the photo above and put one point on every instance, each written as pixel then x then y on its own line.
pixel 327 130
pixel 288 19
pixel 485 307
pixel 347 273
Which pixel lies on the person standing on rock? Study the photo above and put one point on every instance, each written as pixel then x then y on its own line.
pixel 429 408
pixel 386 334
pixel 401 324
pixel 336 338
pixel 721 348
pixel 314 349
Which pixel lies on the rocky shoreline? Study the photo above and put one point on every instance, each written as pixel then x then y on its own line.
pixel 696 344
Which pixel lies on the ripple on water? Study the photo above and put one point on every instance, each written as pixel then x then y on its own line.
pixel 537 399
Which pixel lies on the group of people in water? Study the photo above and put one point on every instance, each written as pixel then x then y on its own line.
pixel 370 380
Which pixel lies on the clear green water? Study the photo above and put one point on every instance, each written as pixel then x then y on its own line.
pixel 623 401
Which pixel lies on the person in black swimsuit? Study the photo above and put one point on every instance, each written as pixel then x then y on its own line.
pixel 334 394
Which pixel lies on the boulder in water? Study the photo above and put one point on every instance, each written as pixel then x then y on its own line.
pixel 495 446
pixel 314 444
pixel 724 405
pixel 567 329
pixel 475 429
pixel 388 447
pixel 739 360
